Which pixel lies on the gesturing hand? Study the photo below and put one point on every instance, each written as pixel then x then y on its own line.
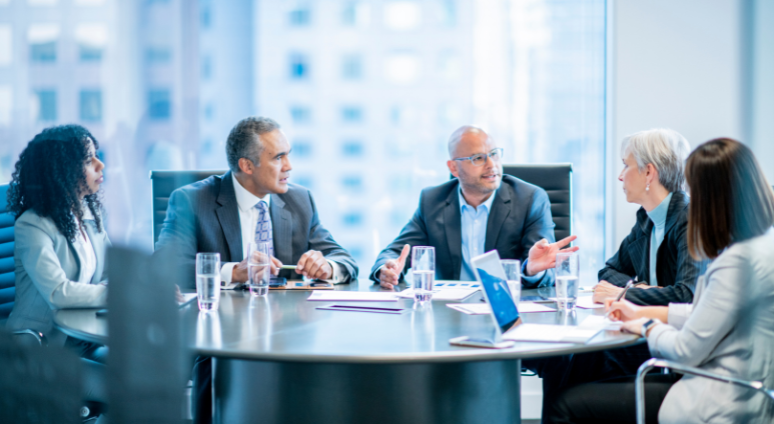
pixel 313 265
pixel 389 275
pixel 542 255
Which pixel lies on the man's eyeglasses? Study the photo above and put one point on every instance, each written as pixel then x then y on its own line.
pixel 480 159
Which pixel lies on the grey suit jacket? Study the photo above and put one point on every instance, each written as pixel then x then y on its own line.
pixel 729 331
pixel 520 217
pixel 204 217
pixel 47 268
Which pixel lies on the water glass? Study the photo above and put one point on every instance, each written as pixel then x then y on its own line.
pixel 208 281
pixel 423 270
pixel 567 272
pixel 512 268
pixel 259 268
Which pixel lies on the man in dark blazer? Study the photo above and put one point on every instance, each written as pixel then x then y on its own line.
pixel 253 201
pixel 478 211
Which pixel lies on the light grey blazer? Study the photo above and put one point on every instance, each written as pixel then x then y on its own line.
pixel 729 331
pixel 47 269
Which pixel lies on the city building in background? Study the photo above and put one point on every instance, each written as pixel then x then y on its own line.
pixel 368 92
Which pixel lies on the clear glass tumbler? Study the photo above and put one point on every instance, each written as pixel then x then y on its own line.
pixel 567 272
pixel 423 270
pixel 208 281
pixel 259 268
pixel 512 268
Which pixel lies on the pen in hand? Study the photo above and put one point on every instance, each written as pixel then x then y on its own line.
pixel 622 294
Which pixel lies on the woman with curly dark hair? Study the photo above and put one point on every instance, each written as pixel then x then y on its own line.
pixel 60 241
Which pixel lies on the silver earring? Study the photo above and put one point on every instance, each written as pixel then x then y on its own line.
pixel 647 187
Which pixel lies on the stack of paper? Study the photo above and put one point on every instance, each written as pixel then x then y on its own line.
pixel 354 296
pixel 441 294
pixel 550 333
pixel 484 308
pixel 587 302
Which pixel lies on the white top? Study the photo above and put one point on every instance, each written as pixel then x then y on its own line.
pixel 85 251
pixel 248 219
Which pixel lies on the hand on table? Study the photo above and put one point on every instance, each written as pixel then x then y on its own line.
pixel 389 275
pixel 623 310
pixel 314 266
pixel 604 290
pixel 542 255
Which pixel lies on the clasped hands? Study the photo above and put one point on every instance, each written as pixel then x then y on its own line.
pixel 542 256
pixel 311 265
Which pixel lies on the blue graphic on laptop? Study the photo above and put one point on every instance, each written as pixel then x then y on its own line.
pixel 499 296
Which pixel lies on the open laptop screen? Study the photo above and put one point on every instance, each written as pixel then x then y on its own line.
pixel 492 278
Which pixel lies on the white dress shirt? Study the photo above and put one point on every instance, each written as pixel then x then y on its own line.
pixel 248 219
pixel 85 250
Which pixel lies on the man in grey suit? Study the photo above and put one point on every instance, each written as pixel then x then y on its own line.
pixel 253 201
pixel 478 211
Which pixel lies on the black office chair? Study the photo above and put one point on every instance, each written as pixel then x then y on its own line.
pixel 556 180
pixel 163 183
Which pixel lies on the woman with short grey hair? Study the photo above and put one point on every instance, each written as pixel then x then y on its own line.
pixel 655 253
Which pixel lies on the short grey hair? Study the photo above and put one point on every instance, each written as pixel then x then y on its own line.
pixel 665 149
pixel 456 136
pixel 244 142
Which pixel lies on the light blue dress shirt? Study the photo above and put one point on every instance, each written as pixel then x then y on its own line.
pixel 474 222
pixel 658 216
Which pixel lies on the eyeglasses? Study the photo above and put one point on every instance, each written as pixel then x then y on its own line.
pixel 480 159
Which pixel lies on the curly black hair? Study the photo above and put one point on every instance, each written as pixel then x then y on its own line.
pixel 50 175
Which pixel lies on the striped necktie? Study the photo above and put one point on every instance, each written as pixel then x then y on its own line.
pixel 263 231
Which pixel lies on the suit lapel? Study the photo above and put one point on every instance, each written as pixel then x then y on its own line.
pixel 678 202
pixel 497 216
pixel 451 222
pixel 282 230
pixel 227 212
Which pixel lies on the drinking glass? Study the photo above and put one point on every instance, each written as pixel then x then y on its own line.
pixel 208 281
pixel 567 271
pixel 423 269
pixel 259 268
pixel 512 268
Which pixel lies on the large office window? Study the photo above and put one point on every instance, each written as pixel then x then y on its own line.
pixel 42 40
pixel 352 67
pixel 159 104
pixel 299 66
pixel 91 105
pixel 46 102
pixel 300 16
pixel 92 40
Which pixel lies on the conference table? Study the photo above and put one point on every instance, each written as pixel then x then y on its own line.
pixel 280 359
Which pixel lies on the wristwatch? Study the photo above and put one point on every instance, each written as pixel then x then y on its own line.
pixel 648 325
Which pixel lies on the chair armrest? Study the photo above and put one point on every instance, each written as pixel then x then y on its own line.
pixel 40 337
pixel 639 386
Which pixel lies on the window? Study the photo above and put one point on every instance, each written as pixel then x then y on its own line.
pixel 209 111
pixel 91 105
pixel 402 68
pixel 351 114
pixel 352 148
pixel 6 45
pixel 448 13
pixel 300 16
pixel 91 40
pixel 353 219
pixel 46 105
pixel 402 15
pixel 302 148
pixel 299 66
pixel 206 67
pixel 6 105
pixel 42 40
pixel 301 114
pixel 352 67
pixel 352 182
pixel 159 104
pixel 158 55
pixel 205 18
pixel 355 13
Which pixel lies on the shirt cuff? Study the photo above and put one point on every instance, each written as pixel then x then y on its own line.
pixel 337 272
pixel 531 278
pixel 226 270
pixel 678 314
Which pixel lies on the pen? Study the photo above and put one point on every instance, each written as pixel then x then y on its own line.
pixel 622 294
pixel 288 267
